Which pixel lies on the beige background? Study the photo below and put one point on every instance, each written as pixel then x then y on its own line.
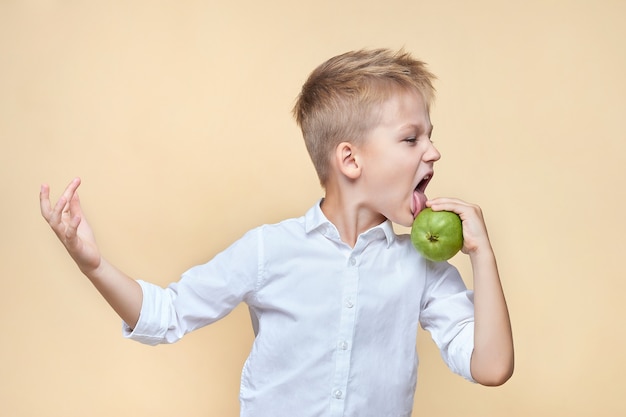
pixel 177 117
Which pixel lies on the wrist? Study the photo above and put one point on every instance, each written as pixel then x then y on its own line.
pixel 482 253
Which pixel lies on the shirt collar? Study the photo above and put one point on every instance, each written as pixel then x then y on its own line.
pixel 314 219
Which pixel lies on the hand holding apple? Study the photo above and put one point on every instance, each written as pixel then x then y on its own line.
pixel 437 235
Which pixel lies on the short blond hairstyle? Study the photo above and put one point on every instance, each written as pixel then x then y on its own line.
pixel 338 102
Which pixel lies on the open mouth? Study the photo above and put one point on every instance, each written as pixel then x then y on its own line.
pixel 421 186
pixel 419 196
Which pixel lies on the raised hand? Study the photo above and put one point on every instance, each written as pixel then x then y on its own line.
pixel 68 222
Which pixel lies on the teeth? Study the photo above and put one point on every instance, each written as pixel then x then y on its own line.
pixel 422 183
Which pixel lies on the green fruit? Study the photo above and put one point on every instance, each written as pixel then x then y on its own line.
pixel 437 235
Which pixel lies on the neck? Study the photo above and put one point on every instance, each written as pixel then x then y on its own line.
pixel 350 215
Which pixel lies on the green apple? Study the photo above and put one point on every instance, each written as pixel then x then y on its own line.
pixel 437 235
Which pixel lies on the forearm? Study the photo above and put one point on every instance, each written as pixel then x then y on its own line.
pixel 492 359
pixel 123 293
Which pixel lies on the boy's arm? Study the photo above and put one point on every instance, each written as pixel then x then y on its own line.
pixel 69 224
pixel 492 359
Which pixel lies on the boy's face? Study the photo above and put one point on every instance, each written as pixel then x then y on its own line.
pixel 397 158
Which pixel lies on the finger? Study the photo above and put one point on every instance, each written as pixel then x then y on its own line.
pixel 44 201
pixel 447 204
pixel 70 190
pixel 62 206
pixel 74 206
pixel 446 200
pixel 52 215
pixel 72 230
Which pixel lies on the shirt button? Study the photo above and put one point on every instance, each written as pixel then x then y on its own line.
pixel 352 261
pixel 343 345
pixel 349 303
pixel 337 394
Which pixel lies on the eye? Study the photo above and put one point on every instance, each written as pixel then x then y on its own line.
pixel 411 139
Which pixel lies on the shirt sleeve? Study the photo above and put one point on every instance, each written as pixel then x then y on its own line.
pixel 204 294
pixel 448 315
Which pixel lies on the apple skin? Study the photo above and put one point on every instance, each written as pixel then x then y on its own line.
pixel 437 235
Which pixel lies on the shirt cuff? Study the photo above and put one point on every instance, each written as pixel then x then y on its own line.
pixel 149 329
pixel 460 352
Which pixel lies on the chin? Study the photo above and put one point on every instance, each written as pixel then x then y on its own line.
pixel 406 222
pixel 401 218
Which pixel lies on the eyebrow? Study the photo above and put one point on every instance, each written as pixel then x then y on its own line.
pixel 419 128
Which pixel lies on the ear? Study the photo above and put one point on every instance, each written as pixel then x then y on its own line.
pixel 346 160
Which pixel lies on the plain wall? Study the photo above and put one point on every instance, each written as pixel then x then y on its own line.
pixel 176 115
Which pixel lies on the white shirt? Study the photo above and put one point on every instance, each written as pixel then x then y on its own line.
pixel 335 326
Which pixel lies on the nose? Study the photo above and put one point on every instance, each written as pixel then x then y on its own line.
pixel 432 154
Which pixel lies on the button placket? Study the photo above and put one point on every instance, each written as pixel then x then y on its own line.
pixel 344 337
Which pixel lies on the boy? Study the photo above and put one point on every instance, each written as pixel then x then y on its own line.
pixel 335 296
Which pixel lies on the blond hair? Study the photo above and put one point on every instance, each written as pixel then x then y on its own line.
pixel 338 102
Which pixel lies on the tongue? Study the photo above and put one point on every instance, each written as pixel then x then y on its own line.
pixel 419 202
